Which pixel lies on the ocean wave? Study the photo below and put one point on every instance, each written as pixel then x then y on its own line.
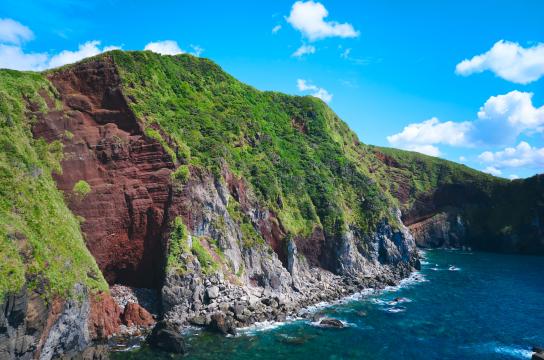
pixel 454 268
pixel 513 351
pixel 395 309
pixel 261 326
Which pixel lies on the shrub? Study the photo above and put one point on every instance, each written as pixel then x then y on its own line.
pixel 81 189
pixel 181 174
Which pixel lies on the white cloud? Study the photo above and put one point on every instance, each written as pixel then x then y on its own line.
pixel 499 122
pixel 462 158
pixel 511 157
pixel 197 50
pixel 304 50
pixel 309 18
pixel 276 28
pixel 504 117
pixel 493 171
pixel 508 60
pixel 90 48
pixel 513 176
pixel 166 47
pixel 422 136
pixel 317 92
pixel 13 32
pixel 13 57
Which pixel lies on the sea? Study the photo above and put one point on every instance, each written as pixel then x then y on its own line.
pixel 461 305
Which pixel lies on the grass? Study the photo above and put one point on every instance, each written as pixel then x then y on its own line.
pixel 181 251
pixel 290 149
pixel 40 240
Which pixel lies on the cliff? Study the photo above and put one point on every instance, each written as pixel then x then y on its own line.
pixel 231 204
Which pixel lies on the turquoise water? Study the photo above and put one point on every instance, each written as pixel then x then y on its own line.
pixel 461 306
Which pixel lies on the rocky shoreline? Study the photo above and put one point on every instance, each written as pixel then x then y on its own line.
pixel 223 307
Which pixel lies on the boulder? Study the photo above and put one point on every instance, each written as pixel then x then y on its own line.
pixel 222 324
pixel 135 315
pixel 165 336
pixel 212 292
pixel 333 323
pixel 538 353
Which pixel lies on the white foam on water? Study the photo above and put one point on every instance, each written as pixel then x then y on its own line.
pixel 513 351
pixel 261 326
pixel 454 268
pixel 396 309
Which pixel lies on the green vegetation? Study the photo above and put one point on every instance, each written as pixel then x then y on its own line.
pixel 181 174
pixel 40 239
pixel 292 150
pixel 206 260
pixel 177 246
pixel 250 236
pixel 180 252
pixel 423 174
pixel 81 189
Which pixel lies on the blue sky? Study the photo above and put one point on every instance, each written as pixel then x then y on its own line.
pixel 388 68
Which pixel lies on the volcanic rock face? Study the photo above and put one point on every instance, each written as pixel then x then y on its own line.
pixel 30 328
pixel 127 172
pixel 440 230
pixel 133 202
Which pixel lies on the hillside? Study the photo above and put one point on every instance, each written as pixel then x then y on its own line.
pixel 166 173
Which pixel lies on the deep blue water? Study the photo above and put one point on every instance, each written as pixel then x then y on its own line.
pixel 464 306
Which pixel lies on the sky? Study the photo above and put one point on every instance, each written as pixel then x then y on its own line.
pixel 462 80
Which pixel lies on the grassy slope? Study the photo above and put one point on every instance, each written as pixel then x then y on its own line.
pixel 289 148
pixel 301 159
pixel 40 239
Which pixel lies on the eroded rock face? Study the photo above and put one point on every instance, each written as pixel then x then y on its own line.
pixel 133 202
pixel 32 329
pixel 128 173
pixel 440 230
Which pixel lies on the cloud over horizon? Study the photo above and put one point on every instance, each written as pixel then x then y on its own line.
pixel 316 91
pixel 12 56
pixel 512 157
pixel 507 60
pixel 165 47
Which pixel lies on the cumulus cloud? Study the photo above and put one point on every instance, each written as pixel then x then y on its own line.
pixel 13 57
pixel 276 28
pixel 13 32
pixel 513 176
pixel 492 170
pixel 304 50
pixel 511 157
pixel 499 122
pixel 423 137
pixel 508 60
pixel 165 47
pixel 504 117
pixel 309 18
pixel 90 48
pixel 317 92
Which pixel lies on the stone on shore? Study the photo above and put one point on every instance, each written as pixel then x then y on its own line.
pixel 333 323
pixel 166 337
